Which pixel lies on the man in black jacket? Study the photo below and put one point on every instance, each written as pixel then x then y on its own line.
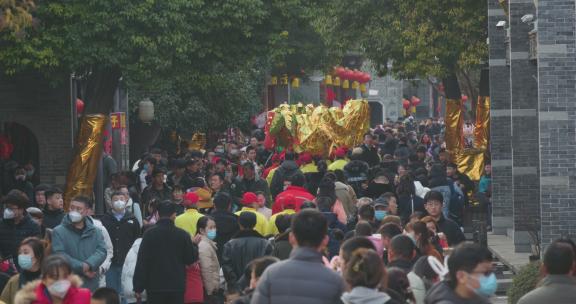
pixel 164 253
pixel 123 229
pixel 244 247
pixel 401 253
pixel 288 168
pixel 54 209
pixel 369 151
pixel 16 224
pixel 433 202
pixel 226 221
pixel 250 182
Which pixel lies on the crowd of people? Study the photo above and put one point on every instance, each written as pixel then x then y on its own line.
pixel 377 223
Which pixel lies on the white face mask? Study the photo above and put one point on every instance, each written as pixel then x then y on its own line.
pixel 59 288
pixel 75 216
pixel 9 214
pixel 119 205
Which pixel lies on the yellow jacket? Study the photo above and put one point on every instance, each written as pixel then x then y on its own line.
pixel 261 221
pixel 309 168
pixel 271 175
pixel 337 165
pixel 272 228
pixel 188 220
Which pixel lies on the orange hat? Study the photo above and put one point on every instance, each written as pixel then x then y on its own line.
pixel 249 198
pixel 190 199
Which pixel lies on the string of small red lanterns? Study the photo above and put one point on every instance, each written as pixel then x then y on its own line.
pixel 347 78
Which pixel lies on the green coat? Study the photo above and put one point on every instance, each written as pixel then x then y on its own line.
pixel 85 246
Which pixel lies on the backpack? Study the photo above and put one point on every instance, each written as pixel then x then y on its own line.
pixel 457 201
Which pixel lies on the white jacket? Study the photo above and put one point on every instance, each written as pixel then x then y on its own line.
pixel 128 273
pixel 109 250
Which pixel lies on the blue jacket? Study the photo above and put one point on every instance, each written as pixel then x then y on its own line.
pixel 80 246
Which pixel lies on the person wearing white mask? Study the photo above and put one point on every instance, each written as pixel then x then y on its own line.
pixel 30 256
pixel 124 229
pixel 58 285
pixel 16 224
pixel 79 240
pixel 206 228
pixel 131 206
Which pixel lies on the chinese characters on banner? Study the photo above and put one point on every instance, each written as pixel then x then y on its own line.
pixel 118 122
pixel 119 128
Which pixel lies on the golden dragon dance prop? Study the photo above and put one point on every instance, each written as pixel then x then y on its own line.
pixel 318 129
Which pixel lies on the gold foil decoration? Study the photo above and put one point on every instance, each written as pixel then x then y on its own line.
pixel 198 141
pixel 320 129
pixel 84 166
pixel 454 124
pixel 471 162
pixel 482 128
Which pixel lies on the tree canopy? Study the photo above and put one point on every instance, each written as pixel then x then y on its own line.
pixel 193 49
pixel 411 38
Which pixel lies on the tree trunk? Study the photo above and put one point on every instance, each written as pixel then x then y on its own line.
pixel 469 89
pixel 100 87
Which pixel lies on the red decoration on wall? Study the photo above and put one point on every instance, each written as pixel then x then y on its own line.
pixel 6 147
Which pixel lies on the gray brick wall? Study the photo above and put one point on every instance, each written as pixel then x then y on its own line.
pixel 524 103
pixel 557 93
pixel 46 112
pixel 501 128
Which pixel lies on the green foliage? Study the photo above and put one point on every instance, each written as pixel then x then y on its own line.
pixel 420 37
pixel 200 58
pixel 214 102
pixel 524 282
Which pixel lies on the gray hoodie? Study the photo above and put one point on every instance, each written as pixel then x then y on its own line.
pixel 365 295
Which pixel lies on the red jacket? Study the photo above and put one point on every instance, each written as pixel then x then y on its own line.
pixel 36 293
pixel 298 194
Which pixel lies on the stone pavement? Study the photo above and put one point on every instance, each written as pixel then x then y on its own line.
pixel 502 247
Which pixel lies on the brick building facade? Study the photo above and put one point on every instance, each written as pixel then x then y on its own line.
pixel 47 113
pixel 533 111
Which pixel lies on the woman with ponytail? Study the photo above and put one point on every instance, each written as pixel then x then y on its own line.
pixel 366 275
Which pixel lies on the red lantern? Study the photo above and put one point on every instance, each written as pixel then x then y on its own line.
pixel 339 71
pixel 406 103
pixel 415 100
pixel 79 106
pixel 357 75
pixel 366 77
pixel 348 74
pixel 464 98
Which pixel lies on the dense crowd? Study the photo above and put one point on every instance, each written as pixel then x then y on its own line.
pixel 239 223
